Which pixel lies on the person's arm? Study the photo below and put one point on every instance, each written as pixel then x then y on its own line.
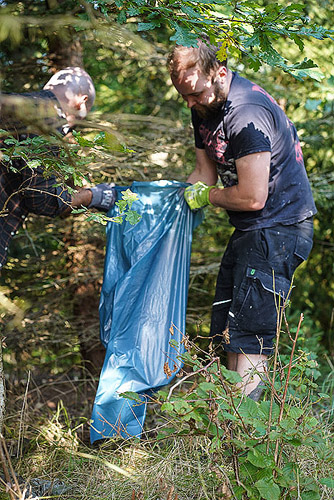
pixel 82 197
pixel 102 197
pixel 251 192
pixel 205 169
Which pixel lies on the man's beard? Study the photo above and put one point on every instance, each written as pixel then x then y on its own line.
pixel 211 110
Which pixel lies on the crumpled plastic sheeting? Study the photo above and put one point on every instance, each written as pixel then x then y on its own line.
pixel 143 301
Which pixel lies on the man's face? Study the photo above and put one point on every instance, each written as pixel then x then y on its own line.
pixel 202 92
pixel 74 107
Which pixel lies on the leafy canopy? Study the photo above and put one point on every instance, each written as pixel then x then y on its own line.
pixel 244 28
pixel 247 28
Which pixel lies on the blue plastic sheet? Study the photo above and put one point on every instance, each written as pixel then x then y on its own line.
pixel 143 304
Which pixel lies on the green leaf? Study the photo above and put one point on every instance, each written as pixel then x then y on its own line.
pixel 129 197
pixel 296 412
pixel 132 217
pixel 134 396
pixel 122 204
pixel 231 376
pixel 315 74
pixel 166 432
pixel 34 163
pixel 312 421
pixel 298 40
pixel 322 395
pixel 99 138
pixel 254 62
pixel 81 140
pixel 118 219
pixel 311 495
pixel 265 406
pixel 268 489
pixel 258 459
pixel 229 416
pixel 174 343
pixel 190 12
pixel 168 407
pixel 78 210
pixel 181 406
pixel 252 41
pixel 207 386
pixel 248 408
pixel 10 141
pixel 183 36
pixel 121 18
pixel 148 26
pixel 327 481
pixel 133 11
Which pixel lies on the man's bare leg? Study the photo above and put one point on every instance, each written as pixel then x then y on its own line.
pixel 245 365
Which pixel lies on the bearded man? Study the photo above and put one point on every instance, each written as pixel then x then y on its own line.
pixel 243 137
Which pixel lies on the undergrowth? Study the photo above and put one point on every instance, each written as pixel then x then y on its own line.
pixel 203 439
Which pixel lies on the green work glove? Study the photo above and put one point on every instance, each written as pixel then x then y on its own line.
pixel 197 195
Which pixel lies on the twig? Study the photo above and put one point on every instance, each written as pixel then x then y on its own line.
pixel 279 310
pixel 179 382
pixel 22 415
pixel 202 478
pixel 228 481
pixel 31 242
pixel 229 392
pixel 7 464
pixel 10 490
pixel 235 463
pixel 287 384
pixel 6 473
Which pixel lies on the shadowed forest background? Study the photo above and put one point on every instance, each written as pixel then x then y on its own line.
pixel 52 353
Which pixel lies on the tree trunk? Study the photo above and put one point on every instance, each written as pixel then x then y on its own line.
pixel 64 46
pixel 64 50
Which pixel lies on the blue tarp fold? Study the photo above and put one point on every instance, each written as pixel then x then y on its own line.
pixel 143 304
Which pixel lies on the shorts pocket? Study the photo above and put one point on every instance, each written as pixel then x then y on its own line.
pixel 303 247
pixel 256 304
pixel 301 251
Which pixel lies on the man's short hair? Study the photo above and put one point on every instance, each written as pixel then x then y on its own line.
pixel 204 56
pixel 75 78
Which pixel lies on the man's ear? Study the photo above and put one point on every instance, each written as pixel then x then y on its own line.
pixel 221 71
pixel 81 100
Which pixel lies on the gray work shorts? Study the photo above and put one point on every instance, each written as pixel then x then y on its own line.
pixel 254 279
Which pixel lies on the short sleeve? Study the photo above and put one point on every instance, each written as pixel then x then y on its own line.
pixel 251 130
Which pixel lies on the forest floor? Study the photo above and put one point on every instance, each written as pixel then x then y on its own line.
pixel 47 437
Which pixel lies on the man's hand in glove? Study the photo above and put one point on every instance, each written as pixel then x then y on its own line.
pixel 103 197
pixel 197 195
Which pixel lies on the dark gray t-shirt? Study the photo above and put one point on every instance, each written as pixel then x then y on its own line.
pixel 250 122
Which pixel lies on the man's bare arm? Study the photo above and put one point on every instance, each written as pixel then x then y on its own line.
pixel 251 192
pixel 205 169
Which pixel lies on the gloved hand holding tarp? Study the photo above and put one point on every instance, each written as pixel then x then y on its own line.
pixel 144 294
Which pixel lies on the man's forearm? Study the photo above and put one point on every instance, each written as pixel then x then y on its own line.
pixel 237 199
pixel 208 177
